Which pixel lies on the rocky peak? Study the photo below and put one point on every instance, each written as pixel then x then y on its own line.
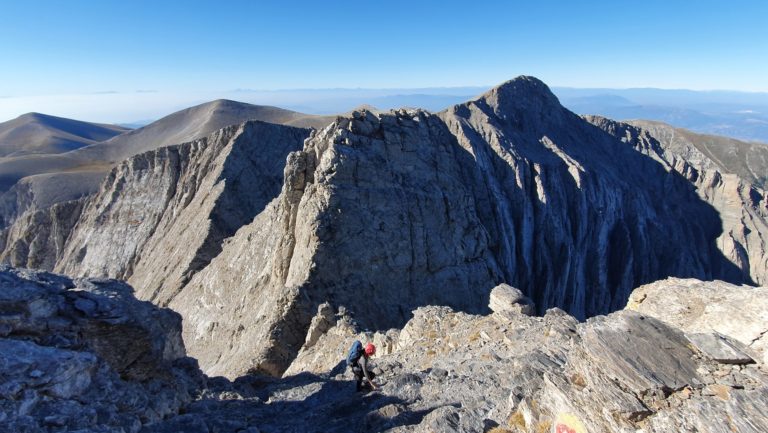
pixel 381 213
pixel 520 100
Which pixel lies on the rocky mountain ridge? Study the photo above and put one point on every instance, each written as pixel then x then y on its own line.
pixel 84 354
pixel 32 183
pixel 195 194
pixel 383 213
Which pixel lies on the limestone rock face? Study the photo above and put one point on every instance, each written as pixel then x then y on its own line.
pixel 726 186
pixel 383 213
pixel 37 238
pixel 739 312
pixel 161 216
pixel 377 225
pixel 85 354
pixel 37 215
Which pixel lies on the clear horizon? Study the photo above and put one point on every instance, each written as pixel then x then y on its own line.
pixel 142 106
pixel 68 59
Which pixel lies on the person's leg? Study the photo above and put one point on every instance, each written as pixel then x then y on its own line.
pixel 358 372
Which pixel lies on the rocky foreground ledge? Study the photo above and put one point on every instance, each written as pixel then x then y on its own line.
pixel 85 355
pixel 686 356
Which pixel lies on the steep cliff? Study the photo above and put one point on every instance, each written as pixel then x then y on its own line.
pixel 383 213
pixel 37 238
pixel 727 186
pixel 161 216
pixel 380 226
pixel 36 216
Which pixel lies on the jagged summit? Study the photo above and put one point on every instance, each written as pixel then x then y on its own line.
pixel 524 94
pixel 521 86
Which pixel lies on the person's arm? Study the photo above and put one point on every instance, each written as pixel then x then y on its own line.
pixel 364 366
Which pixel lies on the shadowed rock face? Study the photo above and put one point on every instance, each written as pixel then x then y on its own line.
pixel 384 213
pixel 742 206
pixel 577 217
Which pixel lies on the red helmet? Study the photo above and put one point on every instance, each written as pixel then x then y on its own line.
pixel 370 349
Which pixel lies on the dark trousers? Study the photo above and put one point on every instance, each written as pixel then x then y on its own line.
pixel 360 376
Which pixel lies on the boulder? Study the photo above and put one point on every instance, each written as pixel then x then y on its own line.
pixel 737 312
pixel 507 299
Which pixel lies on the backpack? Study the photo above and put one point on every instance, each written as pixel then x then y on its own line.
pixel 355 352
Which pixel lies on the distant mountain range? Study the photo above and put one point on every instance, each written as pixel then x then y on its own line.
pixel 734 114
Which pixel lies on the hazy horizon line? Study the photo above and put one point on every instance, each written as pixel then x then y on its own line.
pixel 358 89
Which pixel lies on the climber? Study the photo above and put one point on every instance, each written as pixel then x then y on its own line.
pixel 357 360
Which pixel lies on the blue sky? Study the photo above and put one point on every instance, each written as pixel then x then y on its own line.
pixel 205 47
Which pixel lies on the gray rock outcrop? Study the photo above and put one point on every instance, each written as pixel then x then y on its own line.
pixel 449 371
pixel 86 355
pixel 740 312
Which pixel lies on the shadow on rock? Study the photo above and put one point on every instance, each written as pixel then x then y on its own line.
pixel 305 402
